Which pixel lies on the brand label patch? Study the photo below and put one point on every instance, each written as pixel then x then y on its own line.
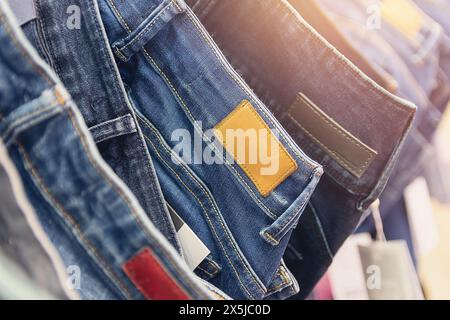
pixel 336 141
pixel 152 280
pixel 255 147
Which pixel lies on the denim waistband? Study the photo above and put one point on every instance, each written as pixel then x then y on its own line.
pixel 173 67
pixel 373 116
pixel 81 57
pixel 91 217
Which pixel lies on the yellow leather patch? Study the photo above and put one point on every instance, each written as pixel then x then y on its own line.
pixel 403 15
pixel 255 148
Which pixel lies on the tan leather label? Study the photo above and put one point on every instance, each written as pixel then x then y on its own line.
pixel 403 15
pixel 255 148
pixel 337 142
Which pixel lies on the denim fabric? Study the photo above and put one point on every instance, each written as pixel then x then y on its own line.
pixel 176 76
pixel 22 240
pixel 280 55
pixel 420 54
pixel 327 27
pixel 90 216
pixel 351 18
pixel 352 21
pixel 85 65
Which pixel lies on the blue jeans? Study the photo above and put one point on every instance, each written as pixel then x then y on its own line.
pixel 351 19
pixel 91 217
pixel 85 65
pixel 284 60
pixel 176 77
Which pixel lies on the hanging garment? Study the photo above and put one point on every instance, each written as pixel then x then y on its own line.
pixel 190 104
pixel 101 233
pixel 333 111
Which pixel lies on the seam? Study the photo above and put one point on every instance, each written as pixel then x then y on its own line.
pixel 124 101
pixel 284 281
pixel 207 216
pixel 348 137
pixel 322 232
pixel 55 203
pixel 120 54
pixel 28 117
pixel 289 170
pixel 153 177
pixel 151 24
pixel 247 90
pixel 119 16
pixel 207 272
pixel 45 77
pixel 350 167
pixel 126 119
pixel 344 63
pixel 204 209
pixel 46 41
pixel 271 239
pixel 22 50
pixel 125 25
pixel 238 175
pixel 293 216
pixel 152 62
pixel 126 200
pixel 182 101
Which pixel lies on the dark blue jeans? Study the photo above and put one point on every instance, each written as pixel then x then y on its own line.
pixel 91 217
pixel 309 85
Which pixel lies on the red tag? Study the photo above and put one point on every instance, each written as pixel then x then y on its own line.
pixel 151 278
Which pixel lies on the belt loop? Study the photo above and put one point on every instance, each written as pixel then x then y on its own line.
pixel 163 14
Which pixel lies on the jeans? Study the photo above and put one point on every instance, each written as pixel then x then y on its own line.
pixel 309 85
pixel 420 51
pixel 179 82
pixel 103 236
pixel 313 13
pixel 351 19
pixel 23 241
pixel 85 65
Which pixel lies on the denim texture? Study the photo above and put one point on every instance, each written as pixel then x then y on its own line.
pixel 351 19
pixel 280 55
pixel 83 61
pixel 420 54
pixel 175 76
pixel 89 214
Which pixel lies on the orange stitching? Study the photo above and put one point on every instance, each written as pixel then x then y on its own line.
pixel 22 50
pixel 67 215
